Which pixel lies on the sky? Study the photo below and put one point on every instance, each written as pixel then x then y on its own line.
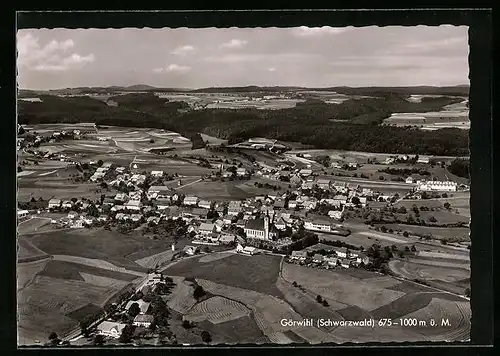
pixel 211 57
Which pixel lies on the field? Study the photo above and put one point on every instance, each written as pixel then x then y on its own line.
pixel 181 299
pixel 217 310
pixel 455 233
pixel 215 190
pixel 99 244
pixel 339 287
pixel 427 272
pixel 260 272
pixel 27 252
pixel 54 187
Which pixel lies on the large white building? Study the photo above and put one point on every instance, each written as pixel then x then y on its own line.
pixel 315 225
pixel 437 186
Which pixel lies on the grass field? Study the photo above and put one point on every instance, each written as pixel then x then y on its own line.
pixel 27 271
pixel 217 310
pixel 27 252
pixel 455 233
pixel 100 244
pixel 53 187
pixel 34 224
pixel 259 274
pixel 215 190
pixel 73 271
pixel 340 287
pixel 412 270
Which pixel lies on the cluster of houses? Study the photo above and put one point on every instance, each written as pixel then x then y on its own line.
pixel 338 257
pixel 144 319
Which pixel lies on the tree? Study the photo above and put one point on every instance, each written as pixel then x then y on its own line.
pixel 100 163
pixel 407 249
pixel 444 242
pixel 402 210
pixel 413 248
pixel 53 336
pixel 205 336
pixel 151 141
pixel 355 200
pixel 104 185
pixel 198 292
pixel 319 299
pixel 127 333
pixel 325 303
pixel 134 310
pixel 294 284
pixel 405 234
pixel 447 206
pixel 186 324
pixel 432 219
pixel 467 292
pixel 99 340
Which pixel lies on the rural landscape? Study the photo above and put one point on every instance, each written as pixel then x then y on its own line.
pixel 153 215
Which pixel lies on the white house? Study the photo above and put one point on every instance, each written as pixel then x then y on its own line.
pixel 335 214
pixel 292 204
pixel 22 213
pixel 143 320
pixel 389 160
pixel 72 215
pixel 342 252
pixel 331 260
pixel 111 329
pixel 345 263
pixel 157 173
pixel 437 186
pixel 315 225
pixel 362 258
pixel 133 205
pixel 323 183
pixel 206 229
pixel 159 192
pixel 67 204
pixel 409 180
pixel 423 159
pixel 207 204
pixel 191 200
pixel 226 239
pixel 135 217
pixel 248 250
pixel 305 172
pixel 190 250
pixel 241 172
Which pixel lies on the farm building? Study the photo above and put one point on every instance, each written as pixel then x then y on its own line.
pixel 226 239
pixel 248 250
pixel 305 172
pixel 143 306
pixel 111 329
pixel 298 255
pixel 143 320
pixel 342 252
pixel 335 214
pixel 331 260
pixel 159 192
pixel 423 159
pixel 345 263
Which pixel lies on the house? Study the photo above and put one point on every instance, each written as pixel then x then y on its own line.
pixel 292 204
pixel 108 201
pixel 279 204
pixel 437 186
pixel 72 215
pixel 162 204
pixel 121 197
pixel 409 180
pixel 307 185
pixel 67 204
pixel 335 214
pixel 280 224
pixel 120 170
pixel 190 250
pixel 111 329
pixel 331 260
pixel 248 250
pixel 317 225
pixel 298 255
pixel 345 263
pixel 323 183
pixel 389 160
pixel 102 218
pixel 206 229
pixel 363 258
pixel 133 205
pixel 136 217
pixel 234 207
pixel 143 320
pixel 423 159
pixel 228 219
pixel 205 204
pixel 157 173
pixel 305 172
pixel 241 172
pixel 153 220
pixel 226 239
pixel 317 258
pixel 143 306
pixel 117 208
pixel 22 213
pixel 159 192
pixel 339 200
pixel 135 195
pixel 342 252
pixel 191 200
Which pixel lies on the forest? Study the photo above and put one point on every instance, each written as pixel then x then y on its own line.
pixel 356 126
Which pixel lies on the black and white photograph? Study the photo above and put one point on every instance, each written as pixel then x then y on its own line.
pixel 243 186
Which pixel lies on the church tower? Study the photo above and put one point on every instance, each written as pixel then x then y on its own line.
pixel 266 226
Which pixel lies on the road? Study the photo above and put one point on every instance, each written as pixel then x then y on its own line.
pixel 188 184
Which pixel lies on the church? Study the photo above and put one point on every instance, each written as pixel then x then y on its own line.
pixel 261 228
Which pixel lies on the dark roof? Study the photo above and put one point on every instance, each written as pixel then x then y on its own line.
pixel 255 224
